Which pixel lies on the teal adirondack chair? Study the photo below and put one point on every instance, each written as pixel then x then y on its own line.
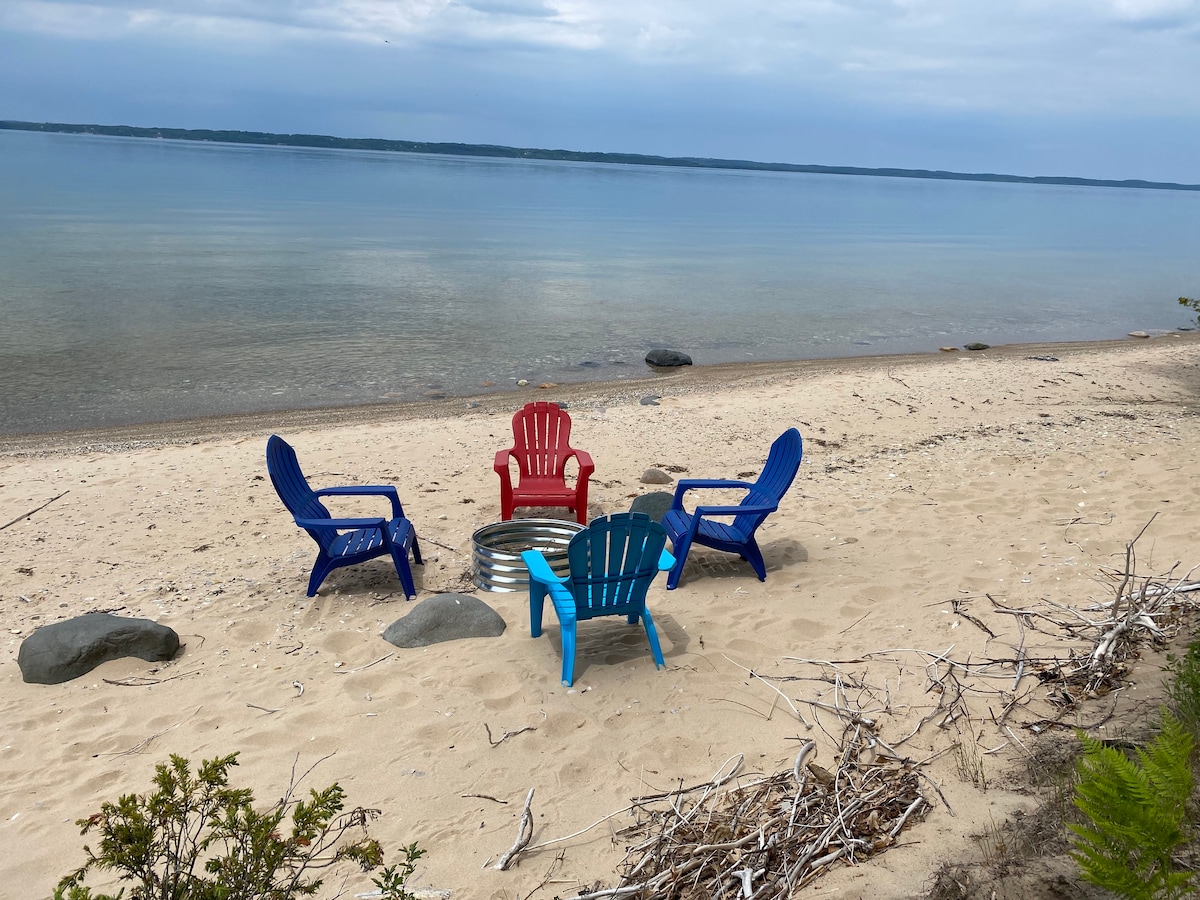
pixel 612 563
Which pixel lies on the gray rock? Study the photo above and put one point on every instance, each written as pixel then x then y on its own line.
pixel 445 617
pixel 667 358
pixel 649 400
pixel 654 504
pixel 975 345
pixel 65 650
pixel 655 476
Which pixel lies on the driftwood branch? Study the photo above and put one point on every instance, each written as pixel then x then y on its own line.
pixel 524 833
pixel 32 511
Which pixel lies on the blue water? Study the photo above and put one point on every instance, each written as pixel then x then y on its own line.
pixel 145 280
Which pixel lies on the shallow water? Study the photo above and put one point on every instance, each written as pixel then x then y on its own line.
pixel 145 280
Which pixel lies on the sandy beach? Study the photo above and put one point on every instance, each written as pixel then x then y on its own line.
pixel 931 486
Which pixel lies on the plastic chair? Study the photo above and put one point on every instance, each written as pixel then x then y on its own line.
pixel 612 564
pixel 541 449
pixel 762 499
pixel 366 539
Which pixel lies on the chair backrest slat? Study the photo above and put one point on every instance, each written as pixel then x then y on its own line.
pixel 776 477
pixel 613 562
pixel 292 487
pixel 541 438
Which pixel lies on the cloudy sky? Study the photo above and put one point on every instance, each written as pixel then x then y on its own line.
pixel 1096 88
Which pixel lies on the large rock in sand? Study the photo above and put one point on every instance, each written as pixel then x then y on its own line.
pixel 445 617
pixel 655 504
pixel 65 650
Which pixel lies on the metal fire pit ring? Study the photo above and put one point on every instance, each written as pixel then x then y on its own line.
pixel 496 551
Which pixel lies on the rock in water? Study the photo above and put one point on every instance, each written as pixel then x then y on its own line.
pixel 445 617
pixel 665 359
pixel 975 345
pixel 65 650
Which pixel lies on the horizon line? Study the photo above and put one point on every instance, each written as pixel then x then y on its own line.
pixel 269 139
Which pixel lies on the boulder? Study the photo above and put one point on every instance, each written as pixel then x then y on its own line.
pixel 65 650
pixel 444 617
pixel 654 504
pixel 975 345
pixel 665 359
pixel 655 476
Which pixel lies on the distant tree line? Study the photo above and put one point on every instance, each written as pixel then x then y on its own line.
pixel 493 150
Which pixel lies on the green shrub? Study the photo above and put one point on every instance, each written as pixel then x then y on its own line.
pixel 1136 814
pixel 1184 689
pixel 196 838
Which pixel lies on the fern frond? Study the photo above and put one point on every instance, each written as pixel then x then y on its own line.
pixel 1135 812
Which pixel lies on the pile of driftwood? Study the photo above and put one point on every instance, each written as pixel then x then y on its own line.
pixel 763 837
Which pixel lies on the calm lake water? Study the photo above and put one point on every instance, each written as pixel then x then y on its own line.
pixel 145 280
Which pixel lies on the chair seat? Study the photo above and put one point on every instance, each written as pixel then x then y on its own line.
pixel 369 541
pixel 678 522
pixel 547 491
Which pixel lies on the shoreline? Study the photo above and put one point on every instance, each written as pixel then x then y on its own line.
pixel 685 380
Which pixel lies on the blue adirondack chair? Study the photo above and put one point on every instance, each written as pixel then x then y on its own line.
pixel 762 499
pixel 342 542
pixel 612 563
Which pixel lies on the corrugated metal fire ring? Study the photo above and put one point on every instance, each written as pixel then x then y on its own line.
pixel 496 551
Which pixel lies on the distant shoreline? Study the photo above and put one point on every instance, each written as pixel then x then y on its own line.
pixel 267 139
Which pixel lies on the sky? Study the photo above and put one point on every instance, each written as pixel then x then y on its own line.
pixel 1089 88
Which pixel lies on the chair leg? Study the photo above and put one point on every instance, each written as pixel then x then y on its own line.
pixel 568 646
pixel 321 568
pixel 680 551
pixel 652 634
pixel 537 605
pixel 753 555
pixel 400 559
pixel 416 551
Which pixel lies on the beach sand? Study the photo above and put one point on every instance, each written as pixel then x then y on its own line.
pixel 1017 473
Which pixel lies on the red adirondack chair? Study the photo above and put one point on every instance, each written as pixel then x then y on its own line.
pixel 541 448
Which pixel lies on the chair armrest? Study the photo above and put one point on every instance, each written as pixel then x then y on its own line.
pixel 666 561
pixel 686 484
pixel 342 523
pixel 733 510
pixel 539 569
pixel 586 466
pixel 501 462
pixel 366 490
